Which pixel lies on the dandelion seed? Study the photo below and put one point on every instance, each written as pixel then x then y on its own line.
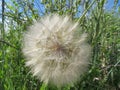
pixel 54 54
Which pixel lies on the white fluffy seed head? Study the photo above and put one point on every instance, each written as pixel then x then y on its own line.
pixel 54 54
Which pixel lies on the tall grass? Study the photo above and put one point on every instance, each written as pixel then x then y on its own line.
pixel 103 28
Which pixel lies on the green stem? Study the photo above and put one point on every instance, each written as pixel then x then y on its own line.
pixel 86 11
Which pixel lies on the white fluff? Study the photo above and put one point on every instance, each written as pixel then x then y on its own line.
pixel 54 54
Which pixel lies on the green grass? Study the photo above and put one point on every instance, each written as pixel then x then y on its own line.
pixel 103 29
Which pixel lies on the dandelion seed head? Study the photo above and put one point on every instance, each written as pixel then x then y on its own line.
pixel 53 52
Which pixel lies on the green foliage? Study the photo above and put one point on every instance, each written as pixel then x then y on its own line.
pixel 102 27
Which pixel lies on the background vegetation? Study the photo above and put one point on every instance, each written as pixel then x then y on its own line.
pixel 102 26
